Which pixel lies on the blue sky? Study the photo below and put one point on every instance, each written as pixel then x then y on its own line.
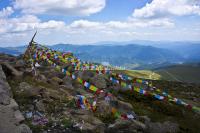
pixel 90 21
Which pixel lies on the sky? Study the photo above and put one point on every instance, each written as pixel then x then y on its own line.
pixel 91 21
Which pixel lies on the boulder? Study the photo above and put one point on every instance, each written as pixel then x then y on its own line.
pixel 13 104
pixel 83 92
pixel 56 81
pixel 18 116
pixel 28 72
pixel 138 125
pixel 121 106
pixel 40 106
pixel 4 98
pixel 91 119
pixel 5 92
pixel 2 74
pixel 103 108
pixel 41 78
pixel 8 121
pixel 85 75
pixel 67 82
pixel 119 124
pixel 9 113
pixel 54 95
pixel 124 106
pixel 85 121
pixel 91 124
pixel 78 112
pixel 23 128
pixel 166 127
pixel 99 81
pixel 144 119
pixel 11 70
pixel 122 126
pixel 20 63
pixel 28 90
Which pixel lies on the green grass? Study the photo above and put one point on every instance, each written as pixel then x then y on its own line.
pixel 145 74
pixel 160 111
pixel 182 73
pixel 185 73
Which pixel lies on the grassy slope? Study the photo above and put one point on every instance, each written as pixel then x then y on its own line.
pixel 160 111
pixel 146 74
pixel 184 73
pixel 180 73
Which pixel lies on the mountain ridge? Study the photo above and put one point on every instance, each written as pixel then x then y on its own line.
pixel 127 55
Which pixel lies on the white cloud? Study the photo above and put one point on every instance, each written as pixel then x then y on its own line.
pixel 119 25
pixel 156 23
pixel 27 23
pixel 79 24
pixel 5 12
pixel 152 21
pixel 165 8
pixel 60 7
pixel 78 31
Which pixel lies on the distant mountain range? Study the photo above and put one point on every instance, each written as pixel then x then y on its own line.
pixel 138 55
pixel 9 51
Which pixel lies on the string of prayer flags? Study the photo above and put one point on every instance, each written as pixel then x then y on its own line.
pixel 49 55
pixel 93 88
pixel 86 84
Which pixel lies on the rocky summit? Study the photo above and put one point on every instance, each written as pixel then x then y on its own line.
pixel 47 102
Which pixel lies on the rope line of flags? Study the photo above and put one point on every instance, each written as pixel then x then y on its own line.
pixel 82 101
pixel 41 52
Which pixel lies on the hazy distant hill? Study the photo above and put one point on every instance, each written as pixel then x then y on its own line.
pixel 19 49
pixel 9 51
pixel 190 52
pixel 147 55
pixel 122 54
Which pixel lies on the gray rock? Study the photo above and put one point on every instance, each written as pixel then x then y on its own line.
pixel 2 74
pixel 5 92
pixel 99 81
pixel 54 95
pixel 4 98
pixel 79 112
pixel 166 127
pixel 8 121
pixel 10 116
pixel 24 129
pixel 85 75
pixel 30 107
pixel 122 126
pixel 144 119
pixel 124 106
pixel 56 81
pixel 18 116
pixel 119 124
pixel 24 86
pixel 67 81
pixel 83 92
pixel 42 78
pixel 12 70
pixel 29 90
pixel 104 108
pixel 13 104
pixel 91 124
pixel 86 121
pixel 19 63
pixel 138 125
pixel 40 106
